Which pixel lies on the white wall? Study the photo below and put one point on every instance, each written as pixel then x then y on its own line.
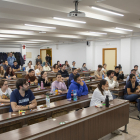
pixel 69 52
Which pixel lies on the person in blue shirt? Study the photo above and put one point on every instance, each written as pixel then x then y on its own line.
pixel 21 97
pixel 15 67
pixel 78 85
pixel 11 59
pixel 71 76
pixel 132 91
pixel 133 71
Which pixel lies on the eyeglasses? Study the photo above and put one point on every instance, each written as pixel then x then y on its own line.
pixel 5 84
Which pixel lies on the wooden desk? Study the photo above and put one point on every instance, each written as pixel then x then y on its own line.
pixel 20 74
pixel 88 124
pixel 40 114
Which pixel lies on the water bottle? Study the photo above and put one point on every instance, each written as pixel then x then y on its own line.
pixel 42 86
pixel 29 81
pixel 56 91
pixel 47 101
pixel 74 95
pixel 103 76
pixel 38 86
pixel 107 101
pixel 8 77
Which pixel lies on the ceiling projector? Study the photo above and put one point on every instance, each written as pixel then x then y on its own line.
pixel 76 13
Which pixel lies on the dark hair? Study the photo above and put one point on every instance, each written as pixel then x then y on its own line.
pixel 20 82
pixel 73 69
pixel 14 61
pixel 73 62
pixel 109 72
pixel 7 71
pixel 1 71
pixel 83 64
pixel 133 70
pixel 58 74
pixel 42 73
pixel 46 62
pixel 104 64
pixel 135 66
pixel 131 76
pixel 38 55
pixel 1 83
pixel 102 82
pixel 31 70
pixel 57 62
pixel 54 66
pixel 117 67
pixel 5 61
pixel 66 62
pixel 100 66
pixel 75 77
pixel 63 65
pixel 30 62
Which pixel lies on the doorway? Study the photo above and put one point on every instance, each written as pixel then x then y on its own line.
pixel 43 53
pixel 110 57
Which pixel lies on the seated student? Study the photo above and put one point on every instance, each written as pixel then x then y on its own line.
pixel 38 70
pixel 84 68
pixel 59 83
pixel 55 68
pixel 119 75
pixel 104 68
pixel 44 78
pixel 112 80
pixel 46 67
pixel 31 64
pixel 2 72
pixel 2 64
pixel 136 68
pixel 36 66
pixel 6 65
pixel 58 64
pixel 74 72
pixel 31 77
pixel 9 74
pixel 133 71
pixel 64 72
pixel 5 92
pixel 99 73
pixel 132 91
pixel 44 63
pixel 29 67
pixel 78 85
pixel 21 97
pixel 15 67
pixel 67 65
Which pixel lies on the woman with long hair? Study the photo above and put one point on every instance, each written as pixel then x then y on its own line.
pixel 9 74
pixel 2 72
pixel 55 68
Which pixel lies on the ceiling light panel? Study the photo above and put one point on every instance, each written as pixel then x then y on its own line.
pixel 123 29
pixel 38 26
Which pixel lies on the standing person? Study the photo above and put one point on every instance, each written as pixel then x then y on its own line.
pixel 84 68
pixel 6 65
pixel 136 68
pixel 48 58
pixel 21 97
pixel 38 60
pixel 119 75
pixel 29 67
pixel 11 59
pixel 104 69
pixel 99 73
pixel 5 92
pixel 9 74
pixel 132 91
pixel 15 67
pixel 2 72
pixel 64 72
pixel 44 78
pixel 46 67
pixel 59 83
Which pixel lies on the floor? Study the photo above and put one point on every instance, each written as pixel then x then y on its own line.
pixel 133 129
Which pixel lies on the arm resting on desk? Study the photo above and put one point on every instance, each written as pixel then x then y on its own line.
pixel 4 100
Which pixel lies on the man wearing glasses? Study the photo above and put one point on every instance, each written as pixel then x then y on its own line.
pixel 21 97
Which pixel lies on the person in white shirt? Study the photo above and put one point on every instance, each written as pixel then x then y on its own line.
pixel 46 67
pixel 5 92
pixel 30 66
pixel 38 70
pixel 99 96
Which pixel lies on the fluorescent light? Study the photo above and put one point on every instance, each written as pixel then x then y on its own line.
pixel 124 29
pixel 39 26
pixel 42 32
pixel 70 20
pixel 103 10
pixel 98 33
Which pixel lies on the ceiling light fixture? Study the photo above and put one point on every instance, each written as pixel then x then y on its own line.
pixel 98 33
pixel 42 32
pixel 39 26
pixel 123 29
pixel 103 10
pixel 70 20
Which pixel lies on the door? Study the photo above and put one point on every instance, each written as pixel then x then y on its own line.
pixel 110 57
pixel 43 55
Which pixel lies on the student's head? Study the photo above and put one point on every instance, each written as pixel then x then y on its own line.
pixel 136 67
pixel 15 63
pixel 31 72
pixel 99 67
pixel 77 79
pixel 6 62
pixel 104 65
pixel 43 74
pixel 46 63
pixel 74 71
pixel 120 67
pixel 66 62
pixel 110 73
pixel 102 85
pixel 55 66
pixel 10 54
pixel 132 78
pixel 117 68
pixel 133 71
pixel 39 66
pixel 38 56
pixel 58 62
pixel 38 63
pixel 84 65
pixel 3 62
pixel 63 67
pixel 73 63
pixel 30 62
pixel 22 84
pixel 58 77
pixel 8 70
pixel 47 54
pixel 1 69
pixel 3 84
